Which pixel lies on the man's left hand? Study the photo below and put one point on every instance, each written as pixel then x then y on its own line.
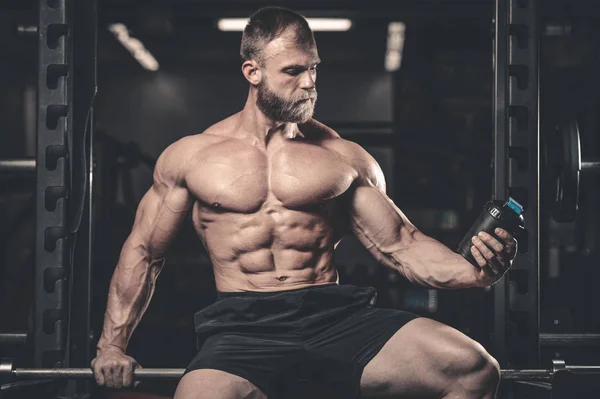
pixel 493 256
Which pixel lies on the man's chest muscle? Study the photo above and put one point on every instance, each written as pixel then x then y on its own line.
pixel 242 178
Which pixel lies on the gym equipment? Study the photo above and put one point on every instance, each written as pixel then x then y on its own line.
pixel 54 177
pixel 27 30
pixel 12 339
pixel 563 162
pixel 516 173
pixel 569 340
pixel 539 375
pixel 7 370
pixel 17 165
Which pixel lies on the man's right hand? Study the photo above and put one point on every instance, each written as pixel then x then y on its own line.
pixel 113 368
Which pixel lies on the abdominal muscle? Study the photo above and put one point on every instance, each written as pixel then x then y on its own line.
pixel 274 249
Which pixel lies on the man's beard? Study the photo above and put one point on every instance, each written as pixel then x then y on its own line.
pixel 280 109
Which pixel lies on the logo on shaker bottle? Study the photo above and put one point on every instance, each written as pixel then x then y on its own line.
pixel 495 212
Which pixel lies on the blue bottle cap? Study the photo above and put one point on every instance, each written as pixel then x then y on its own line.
pixel 514 205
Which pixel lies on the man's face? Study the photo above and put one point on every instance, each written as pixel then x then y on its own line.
pixel 286 92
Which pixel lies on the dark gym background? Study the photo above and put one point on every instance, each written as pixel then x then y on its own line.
pixel 429 124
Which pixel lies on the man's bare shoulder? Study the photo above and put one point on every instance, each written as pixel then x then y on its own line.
pixel 186 147
pixel 179 156
pixel 222 130
pixel 189 145
pixel 355 155
pixel 330 139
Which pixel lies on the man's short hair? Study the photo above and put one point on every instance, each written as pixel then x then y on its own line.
pixel 269 23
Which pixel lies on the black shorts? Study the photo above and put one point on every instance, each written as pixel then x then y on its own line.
pixel 307 343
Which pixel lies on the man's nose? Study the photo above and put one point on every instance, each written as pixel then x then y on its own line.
pixel 307 81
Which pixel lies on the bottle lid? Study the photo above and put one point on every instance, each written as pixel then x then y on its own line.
pixel 514 205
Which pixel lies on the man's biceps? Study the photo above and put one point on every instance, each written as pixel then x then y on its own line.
pixel 179 199
pixel 366 198
pixel 148 204
pixel 160 195
pixel 381 215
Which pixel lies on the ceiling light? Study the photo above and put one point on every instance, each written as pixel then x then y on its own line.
pixel 394 46
pixel 316 24
pixel 329 24
pixel 134 46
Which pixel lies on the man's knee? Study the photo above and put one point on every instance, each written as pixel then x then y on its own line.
pixel 475 369
pixel 210 384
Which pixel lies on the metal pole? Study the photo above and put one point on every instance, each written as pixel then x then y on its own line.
pixel 577 340
pixel 590 165
pixel 517 174
pixel 54 123
pixel 168 373
pixel 584 369
pixel 66 374
pixel 17 165
pixel 12 339
pixel 500 189
pixel 524 180
pixel 6 369
pixel 82 221
pixel 527 375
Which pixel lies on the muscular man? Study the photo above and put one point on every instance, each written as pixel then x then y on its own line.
pixel 272 192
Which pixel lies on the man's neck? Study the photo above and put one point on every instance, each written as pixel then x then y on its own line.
pixel 263 128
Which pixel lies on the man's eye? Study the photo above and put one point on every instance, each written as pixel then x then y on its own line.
pixel 293 72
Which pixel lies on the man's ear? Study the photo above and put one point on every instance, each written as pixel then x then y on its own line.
pixel 252 72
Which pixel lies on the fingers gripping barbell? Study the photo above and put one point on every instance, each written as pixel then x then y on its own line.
pixel 8 371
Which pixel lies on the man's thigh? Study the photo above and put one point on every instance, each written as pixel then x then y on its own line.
pixel 422 359
pixel 211 384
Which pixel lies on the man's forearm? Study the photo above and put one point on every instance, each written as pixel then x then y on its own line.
pixel 430 263
pixel 129 295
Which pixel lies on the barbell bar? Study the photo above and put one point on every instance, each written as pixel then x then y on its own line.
pixel 12 339
pixel 8 371
pixel 26 165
